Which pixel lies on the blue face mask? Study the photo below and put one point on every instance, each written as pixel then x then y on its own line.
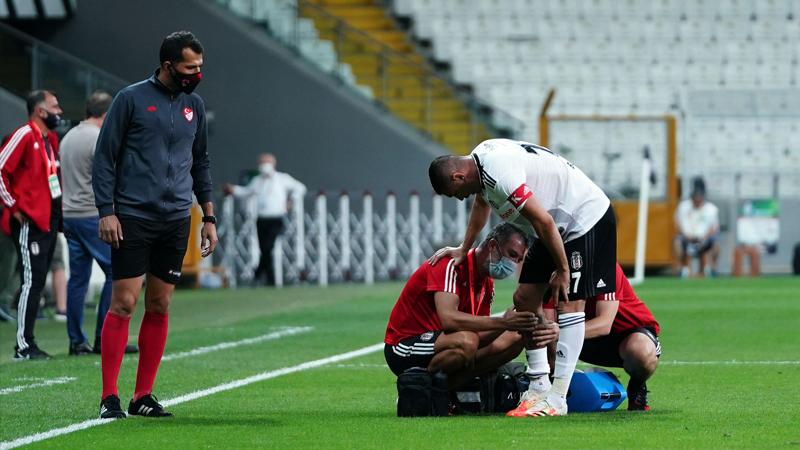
pixel 502 268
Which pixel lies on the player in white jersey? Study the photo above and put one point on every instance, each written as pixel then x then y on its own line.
pixel 573 254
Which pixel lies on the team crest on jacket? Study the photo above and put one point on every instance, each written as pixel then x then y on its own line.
pixel 34 248
pixel 576 260
pixel 426 336
pixel 188 113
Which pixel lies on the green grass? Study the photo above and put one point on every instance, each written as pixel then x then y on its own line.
pixel 351 404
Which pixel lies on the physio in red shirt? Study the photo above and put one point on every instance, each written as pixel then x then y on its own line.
pixel 442 319
pixel 622 332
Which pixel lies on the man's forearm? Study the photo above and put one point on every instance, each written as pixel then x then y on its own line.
pixel 208 208
pixel 460 321
pixel 552 241
pixel 487 337
pixel 597 327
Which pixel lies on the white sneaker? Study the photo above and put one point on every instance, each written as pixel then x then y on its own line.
pixel 551 405
pixel 528 399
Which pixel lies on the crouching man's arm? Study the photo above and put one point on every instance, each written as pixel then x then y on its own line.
pixel 454 320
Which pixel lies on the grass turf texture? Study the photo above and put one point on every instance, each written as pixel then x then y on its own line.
pixel 351 404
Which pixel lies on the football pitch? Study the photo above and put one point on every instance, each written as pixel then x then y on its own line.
pixel 300 368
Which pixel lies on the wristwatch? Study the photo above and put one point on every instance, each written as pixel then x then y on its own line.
pixel 210 219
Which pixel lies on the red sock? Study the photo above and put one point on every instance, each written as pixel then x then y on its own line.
pixel 152 338
pixel 113 339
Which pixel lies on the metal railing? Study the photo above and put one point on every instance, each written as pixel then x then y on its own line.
pixel 29 63
pixel 404 84
pixel 349 238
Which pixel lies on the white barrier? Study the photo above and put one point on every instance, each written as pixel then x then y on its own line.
pixel 326 246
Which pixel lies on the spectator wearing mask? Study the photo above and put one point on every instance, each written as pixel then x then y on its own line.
pixel 274 192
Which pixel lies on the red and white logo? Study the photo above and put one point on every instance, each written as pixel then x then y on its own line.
pixel 520 196
pixel 151 108
pixel 188 113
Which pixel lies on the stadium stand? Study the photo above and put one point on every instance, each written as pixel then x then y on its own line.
pixel 359 42
pixel 636 57
pixel 36 10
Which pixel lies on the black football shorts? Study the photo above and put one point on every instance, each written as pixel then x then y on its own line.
pixel 150 246
pixel 416 351
pixel 592 260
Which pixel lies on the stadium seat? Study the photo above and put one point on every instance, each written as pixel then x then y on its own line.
pixel 630 57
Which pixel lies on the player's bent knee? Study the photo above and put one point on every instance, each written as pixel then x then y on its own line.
pixel 527 297
pixel 468 343
pixel 639 355
pixel 650 364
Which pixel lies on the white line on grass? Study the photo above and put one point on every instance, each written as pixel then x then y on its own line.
pixel 48 382
pixel 290 331
pixel 732 362
pixel 198 394
pixel 274 374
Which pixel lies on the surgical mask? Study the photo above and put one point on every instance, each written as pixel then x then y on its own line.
pixel 52 120
pixel 187 82
pixel 502 268
pixel 266 169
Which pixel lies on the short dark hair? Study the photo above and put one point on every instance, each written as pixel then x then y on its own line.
pixel 698 187
pixel 97 104
pixel 35 97
pixel 503 232
pixel 172 46
pixel 439 172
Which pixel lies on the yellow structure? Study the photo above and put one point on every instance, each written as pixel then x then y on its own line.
pixel 661 226
pixel 383 58
pixel 191 261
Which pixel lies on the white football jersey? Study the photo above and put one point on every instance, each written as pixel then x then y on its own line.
pixel 514 171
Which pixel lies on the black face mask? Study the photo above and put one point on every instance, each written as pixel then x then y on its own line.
pixel 186 82
pixel 52 120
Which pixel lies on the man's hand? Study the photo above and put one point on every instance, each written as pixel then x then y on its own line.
pixel 208 239
pixel 544 333
pixel 457 253
pixel 227 189
pixel 111 230
pixel 19 216
pixel 559 285
pixel 519 320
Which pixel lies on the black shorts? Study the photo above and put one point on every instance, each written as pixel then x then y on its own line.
pixel 592 261
pixel 411 352
pixel 696 248
pixel 604 350
pixel 150 247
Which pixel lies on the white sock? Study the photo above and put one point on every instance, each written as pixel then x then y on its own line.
pixel 570 342
pixel 538 369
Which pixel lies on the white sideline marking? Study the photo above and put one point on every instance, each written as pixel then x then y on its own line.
pixel 197 394
pixel 48 382
pixel 25 440
pixel 732 362
pixel 249 341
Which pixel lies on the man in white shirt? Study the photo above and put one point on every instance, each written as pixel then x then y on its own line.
pixel 573 253
pixel 274 192
pixel 697 223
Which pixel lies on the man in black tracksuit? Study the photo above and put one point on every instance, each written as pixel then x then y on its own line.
pixel 150 157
